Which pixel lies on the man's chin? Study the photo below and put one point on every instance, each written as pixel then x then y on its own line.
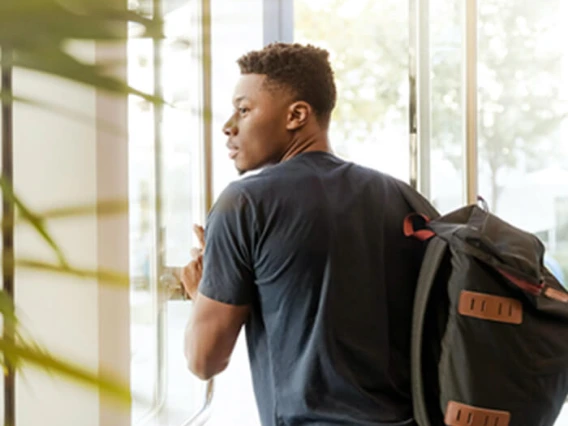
pixel 243 169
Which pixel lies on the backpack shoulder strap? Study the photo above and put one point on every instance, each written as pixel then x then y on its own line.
pixel 416 201
pixel 435 252
pixel 433 257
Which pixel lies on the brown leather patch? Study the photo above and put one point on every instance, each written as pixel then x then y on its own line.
pixel 552 293
pixel 490 307
pixel 458 414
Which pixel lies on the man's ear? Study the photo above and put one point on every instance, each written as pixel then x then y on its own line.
pixel 298 115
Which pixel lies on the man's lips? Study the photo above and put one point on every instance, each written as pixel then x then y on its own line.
pixel 233 150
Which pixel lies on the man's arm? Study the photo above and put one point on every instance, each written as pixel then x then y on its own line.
pixel 211 335
pixel 222 270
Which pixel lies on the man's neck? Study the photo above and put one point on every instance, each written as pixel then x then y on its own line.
pixel 316 142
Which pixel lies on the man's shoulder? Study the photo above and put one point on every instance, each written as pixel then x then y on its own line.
pixel 363 174
pixel 291 174
pixel 246 186
pixel 234 198
pixel 259 182
pixel 373 173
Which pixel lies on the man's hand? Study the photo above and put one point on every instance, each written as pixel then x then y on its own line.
pixel 191 274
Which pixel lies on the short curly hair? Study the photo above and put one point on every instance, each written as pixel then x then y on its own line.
pixel 305 70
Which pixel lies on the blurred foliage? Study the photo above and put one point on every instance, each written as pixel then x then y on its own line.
pixel 36 35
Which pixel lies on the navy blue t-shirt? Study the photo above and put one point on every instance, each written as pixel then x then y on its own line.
pixel 315 246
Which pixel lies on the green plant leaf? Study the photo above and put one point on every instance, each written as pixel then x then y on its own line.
pixel 59 63
pixel 102 208
pixel 25 23
pixel 69 113
pixel 33 219
pixel 12 324
pixel 22 353
pixel 7 308
pixel 36 32
pixel 106 208
pixel 104 276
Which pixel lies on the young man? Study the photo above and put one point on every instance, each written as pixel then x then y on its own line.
pixel 309 254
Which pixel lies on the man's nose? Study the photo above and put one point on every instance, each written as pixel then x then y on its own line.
pixel 229 128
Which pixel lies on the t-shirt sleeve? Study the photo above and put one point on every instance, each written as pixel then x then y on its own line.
pixel 228 275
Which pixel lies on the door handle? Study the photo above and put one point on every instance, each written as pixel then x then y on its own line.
pixel 172 289
pixel 171 285
pixel 205 412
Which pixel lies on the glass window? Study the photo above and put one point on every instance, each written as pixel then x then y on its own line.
pixel 229 17
pixel 181 199
pixel 369 55
pixel 522 126
pixel 445 59
pixel 181 183
pixel 142 196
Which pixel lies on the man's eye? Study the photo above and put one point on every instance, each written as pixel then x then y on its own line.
pixel 243 110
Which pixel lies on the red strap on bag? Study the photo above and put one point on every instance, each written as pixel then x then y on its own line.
pixel 410 231
pixel 534 289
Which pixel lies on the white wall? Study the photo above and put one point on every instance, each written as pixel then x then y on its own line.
pixel 62 161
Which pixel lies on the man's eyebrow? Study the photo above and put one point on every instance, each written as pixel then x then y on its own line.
pixel 238 99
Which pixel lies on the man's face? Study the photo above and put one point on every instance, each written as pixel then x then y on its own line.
pixel 257 134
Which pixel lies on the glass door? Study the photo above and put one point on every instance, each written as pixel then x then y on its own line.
pixel 182 189
pixel 522 125
pixel 166 198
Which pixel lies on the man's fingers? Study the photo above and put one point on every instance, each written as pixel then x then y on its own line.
pixel 196 252
pixel 193 265
pixel 200 233
pixel 191 275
